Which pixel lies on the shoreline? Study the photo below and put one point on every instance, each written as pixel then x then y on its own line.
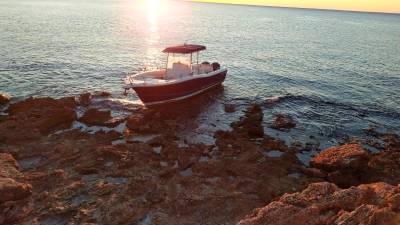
pixel 60 163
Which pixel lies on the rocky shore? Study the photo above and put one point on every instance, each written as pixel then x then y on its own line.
pixel 63 161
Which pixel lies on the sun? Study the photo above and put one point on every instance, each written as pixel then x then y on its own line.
pixel 153 3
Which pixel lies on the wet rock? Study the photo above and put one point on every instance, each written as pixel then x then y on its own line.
pixel 30 162
pixel 84 99
pixel 155 196
pixel 120 211
pixel 392 142
pixel 325 203
pixel 134 122
pixel 256 131
pixel 283 122
pixel 185 160
pixel 345 165
pixel 348 156
pixel 30 119
pixel 103 94
pixel 13 211
pixel 271 144
pixel 95 117
pixel 4 99
pixel 254 117
pixel 351 164
pixel 314 172
pixel 384 166
pixel 251 123
pixel 82 178
pixel 139 124
pixel 229 108
pixel 8 166
pixel 12 190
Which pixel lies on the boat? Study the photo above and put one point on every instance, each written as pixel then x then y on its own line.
pixel 181 78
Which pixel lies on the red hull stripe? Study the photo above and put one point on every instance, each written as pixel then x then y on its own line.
pixel 166 93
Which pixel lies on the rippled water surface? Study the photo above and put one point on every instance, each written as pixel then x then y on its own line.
pixel 336 73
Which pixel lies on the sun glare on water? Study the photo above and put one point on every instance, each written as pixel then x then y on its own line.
pixel 154 4
pixel 156 17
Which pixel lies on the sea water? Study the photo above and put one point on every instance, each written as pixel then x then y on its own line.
pixel 336 73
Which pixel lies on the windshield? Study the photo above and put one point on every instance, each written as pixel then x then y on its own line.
pixel 179 59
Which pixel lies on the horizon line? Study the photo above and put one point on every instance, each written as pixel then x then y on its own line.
pixel 292 7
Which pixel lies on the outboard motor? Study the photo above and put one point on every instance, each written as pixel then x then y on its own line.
pixel 215 66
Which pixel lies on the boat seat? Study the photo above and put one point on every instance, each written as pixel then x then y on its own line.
pixel 196 69
pixel 205 68
pixel 178 70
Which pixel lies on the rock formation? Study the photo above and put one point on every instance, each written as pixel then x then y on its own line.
pixel 325 203
pixel 4 99
pixel 10 188
pixel 53 173
pixel 95 117
pixel 351 164
pixel 33 118
pixel 283 122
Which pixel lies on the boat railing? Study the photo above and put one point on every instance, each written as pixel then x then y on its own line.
pixel 138 79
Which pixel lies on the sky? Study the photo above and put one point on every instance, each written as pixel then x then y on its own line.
pixel 390 6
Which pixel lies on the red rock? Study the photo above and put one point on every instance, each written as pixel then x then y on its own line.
pixel 8 166
pixel 134 122
pixel 102 189
pixel 115 121
pixel 14 211
pixel 251 123
pixel 283 122
pixel 348 156
pixel 139 124
pixel 256 131
pixel 229 108
pixel 84 99
pixel 394 202
pixel 82 178
pixel 118 211
pixel 4 99
pixel 392 142
pixel 314 172
pixel 185 160
pixel 345 165
pixel 12 190
pixel 350 164
pixel 95 117
pixel 155 196
pixel 30 119
pixel 111 152
pixel 254 114
pixel 103 94
pixel 69 102
pixel 384 166
pixel 324 203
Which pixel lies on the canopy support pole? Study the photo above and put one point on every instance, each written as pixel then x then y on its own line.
pixel 166 67
pixel 191 61
pixel 197 61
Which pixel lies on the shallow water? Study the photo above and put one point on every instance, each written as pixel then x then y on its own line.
pixel 336 73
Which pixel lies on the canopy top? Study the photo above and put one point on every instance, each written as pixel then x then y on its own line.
pixel 184 49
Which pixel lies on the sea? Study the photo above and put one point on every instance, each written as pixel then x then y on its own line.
pixel 336 73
